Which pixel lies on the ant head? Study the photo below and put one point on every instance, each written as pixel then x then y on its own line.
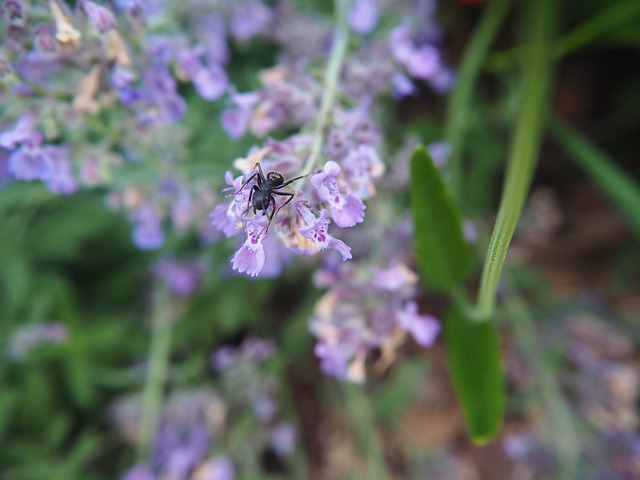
pixel 275 178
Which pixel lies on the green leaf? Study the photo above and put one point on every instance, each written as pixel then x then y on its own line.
pixel 623 191
pixel 444 256
pixel 473 357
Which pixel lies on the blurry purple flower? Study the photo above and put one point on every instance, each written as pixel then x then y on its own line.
pixel 363 167
pixel 393 279
pixel 470 231
pixel 100 17
pixel 316 229
pixel 423 62
pixel 283 439
pixel 23 130
pixel 333 359
pixel 439 152
pixel 147 233
pixel 216 468
pixel 141 471
pixel 423 328
pixel 443 80
pixel 249 18
pixel 400 43
pixel 121 80
pixel 58 170
pixel 29 337
pixel 210 82
pixel 257 349
pixel 346 210
pixel 160 99
pixel 13 10
pixel 363 16
pixel 517 445
pixel 223 358
pixel 27 162
pixel 235 121
pixel 182 278
pixel 227 218
pixel 250 257
pixel 265 408
pixel 5 175
pixel 45 39
pixel 402 85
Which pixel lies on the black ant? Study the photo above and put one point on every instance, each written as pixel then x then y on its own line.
pixel 261 195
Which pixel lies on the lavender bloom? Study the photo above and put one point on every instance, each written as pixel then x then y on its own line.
pixel 141 471
pixel 250 257
pixel 30 337
pixel 58 174
pixel 216 468
pixel 423 328
pixel 147 233
pixel 235 121
pixel 363 16
pixel 249 18
pixel 182 278
pixel 363 167
pixel 100 17
pixel 210 82
pixel 23 131
pixel 27 162
pixel 316 229
pixel 283 439
pixel 439 152
pixel 346 210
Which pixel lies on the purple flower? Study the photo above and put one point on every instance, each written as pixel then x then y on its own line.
pixel 182 278
pixel 228 218
pixel 141 471
pixel 250 257
pixel 100 17
pixel 333 359
pixel 210 82
pixel 402 85
pixel 159 97
pixel 423 62
pixel 31 336
pixel 423 328
pixel 439 152
pixel 249 18
pixel 24 130
pixel 58 170
pixel 223 358
pixel 283 439
pixel 363 167
pixel 216 468
pixel 235 121
pixel 27 162
pixel 346 210
pixel 147 233
pixel 363 16
pixel 316 230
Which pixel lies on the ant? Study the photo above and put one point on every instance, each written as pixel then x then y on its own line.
pixel 261 195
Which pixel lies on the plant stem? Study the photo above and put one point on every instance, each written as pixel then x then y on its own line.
pixel 158 367
pixel 472 60
pixel 524 150
pixel 332 75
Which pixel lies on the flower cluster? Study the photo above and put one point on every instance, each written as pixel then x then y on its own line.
pixel 195 424
pixel 366 310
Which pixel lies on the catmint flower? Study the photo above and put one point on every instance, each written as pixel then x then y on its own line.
pixel 423 328
pixel 216 468
pixel 58 170
pixel 141 471
pixel 346 209
pixel 30 337
pixel 402 85
pixel 182 278
pixel 316 229
pixel 147 233
pixel 27 162
pixel 23 130
pixel 235 121
pixel 363 16
pixel 249 18
pixel 250 257
pixel 363 167
pixel 210 81
pixel 100 17
pixel 439 152
pixel 283 439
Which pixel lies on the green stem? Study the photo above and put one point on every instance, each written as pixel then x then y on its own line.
pixel 524 151
pixel 456 118
pixel 158 367
pixel 610 20
pixel 332 76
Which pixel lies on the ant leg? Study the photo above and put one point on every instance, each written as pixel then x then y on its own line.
pixel 282 194
pixel 253 190
pixel 243 184
pixel 292 180
pixel 260 172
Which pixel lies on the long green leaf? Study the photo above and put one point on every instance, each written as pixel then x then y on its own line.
pixel 475 366
pixel 444 256
pixel 621 189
